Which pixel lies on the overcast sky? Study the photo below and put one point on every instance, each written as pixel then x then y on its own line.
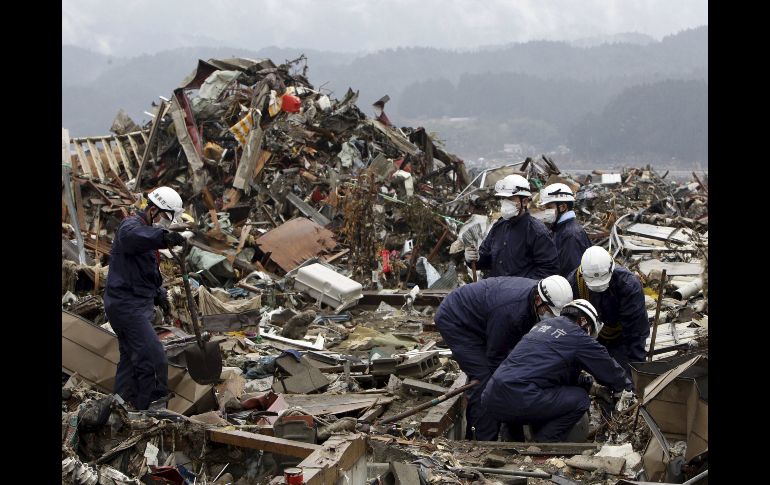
pixel 133 27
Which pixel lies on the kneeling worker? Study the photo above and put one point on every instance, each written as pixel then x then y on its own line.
pixel 538 384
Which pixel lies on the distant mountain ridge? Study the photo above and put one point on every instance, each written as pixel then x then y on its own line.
pixel 541 83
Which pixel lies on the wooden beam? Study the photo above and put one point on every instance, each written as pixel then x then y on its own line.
pixel 148 146
pixel 338 455
pixel 334 257
pixel 84 165
pixel 66 155
pixel 442 416
pixel 103 246
pixel 96 158
pixel 79 202
pixel 110 156
pixel 122 184
pixel 124 158
pixel 263 442
pixel 134 149
pixel 372 414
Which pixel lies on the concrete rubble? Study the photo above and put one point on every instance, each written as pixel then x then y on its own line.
pixel 324 240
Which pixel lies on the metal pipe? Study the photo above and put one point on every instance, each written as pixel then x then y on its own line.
pixel 697 477
pixel 430 403
pixel 657 314
pixel 503 471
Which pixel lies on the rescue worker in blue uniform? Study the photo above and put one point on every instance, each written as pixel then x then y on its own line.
pixel 539 385
pixel 517 244
pixel 133 288
pixel 481 322
pixel 617 295
pixel 569 236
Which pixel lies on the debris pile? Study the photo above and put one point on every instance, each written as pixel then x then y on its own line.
pixel 322 243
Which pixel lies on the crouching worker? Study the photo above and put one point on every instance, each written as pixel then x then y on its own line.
pixel 539 383
pixel 481 323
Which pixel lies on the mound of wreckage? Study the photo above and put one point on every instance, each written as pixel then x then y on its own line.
pixel 324 240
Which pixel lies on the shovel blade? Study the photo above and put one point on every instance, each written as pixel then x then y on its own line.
pixel 204 364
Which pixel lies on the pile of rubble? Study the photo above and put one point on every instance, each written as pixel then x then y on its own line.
pixel 323 243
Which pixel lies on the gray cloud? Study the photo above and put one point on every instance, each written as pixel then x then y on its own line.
pixel 146 26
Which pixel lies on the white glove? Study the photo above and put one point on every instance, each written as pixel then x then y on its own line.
pixel 187 234
pixel 471 254
pixel 625 399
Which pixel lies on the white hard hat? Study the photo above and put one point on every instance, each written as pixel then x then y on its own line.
pixel 167 200
pixel 596 266
pixel 555 291
pixel 556 193
pixel 512 185
pixel 589 311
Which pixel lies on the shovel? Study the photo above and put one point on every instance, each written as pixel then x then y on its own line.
pixel 204 359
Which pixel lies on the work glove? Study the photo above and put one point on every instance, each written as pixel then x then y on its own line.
pixel 162 302
pixel 586 381
pixel 471 254
pixel 624 400
pixel 171 239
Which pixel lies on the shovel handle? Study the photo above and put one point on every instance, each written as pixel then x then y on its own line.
pixel 473 265
pixel 182 260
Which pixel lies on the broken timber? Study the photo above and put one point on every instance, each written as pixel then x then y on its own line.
pixel 441 417
pixel 340 457
pixel 263 442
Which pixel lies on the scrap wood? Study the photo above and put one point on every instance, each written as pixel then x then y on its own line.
pixel 263 442
pixel 335 404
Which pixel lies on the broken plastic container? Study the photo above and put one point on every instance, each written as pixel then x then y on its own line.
pixel 328 286
pixel 290 103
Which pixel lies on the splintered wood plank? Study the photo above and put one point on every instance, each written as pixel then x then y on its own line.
pixel 340 454
pixel 110 155
pixel 97 159
pixel 79 203
pixel 84 164
pixel 442 416
pixel 144 137
pixel 65 147
pixel 263 442
pixel 124 158
pixel 134 148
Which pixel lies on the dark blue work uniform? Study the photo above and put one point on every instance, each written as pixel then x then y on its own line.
pixel 571 241
pixel 621 309
pixel 481 322
pixel 537 382
pixel 133 282
pixel 521 246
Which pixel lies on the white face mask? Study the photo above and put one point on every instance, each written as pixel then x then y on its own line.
pixel 600 288
pixel 508 209
pixel 547 216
